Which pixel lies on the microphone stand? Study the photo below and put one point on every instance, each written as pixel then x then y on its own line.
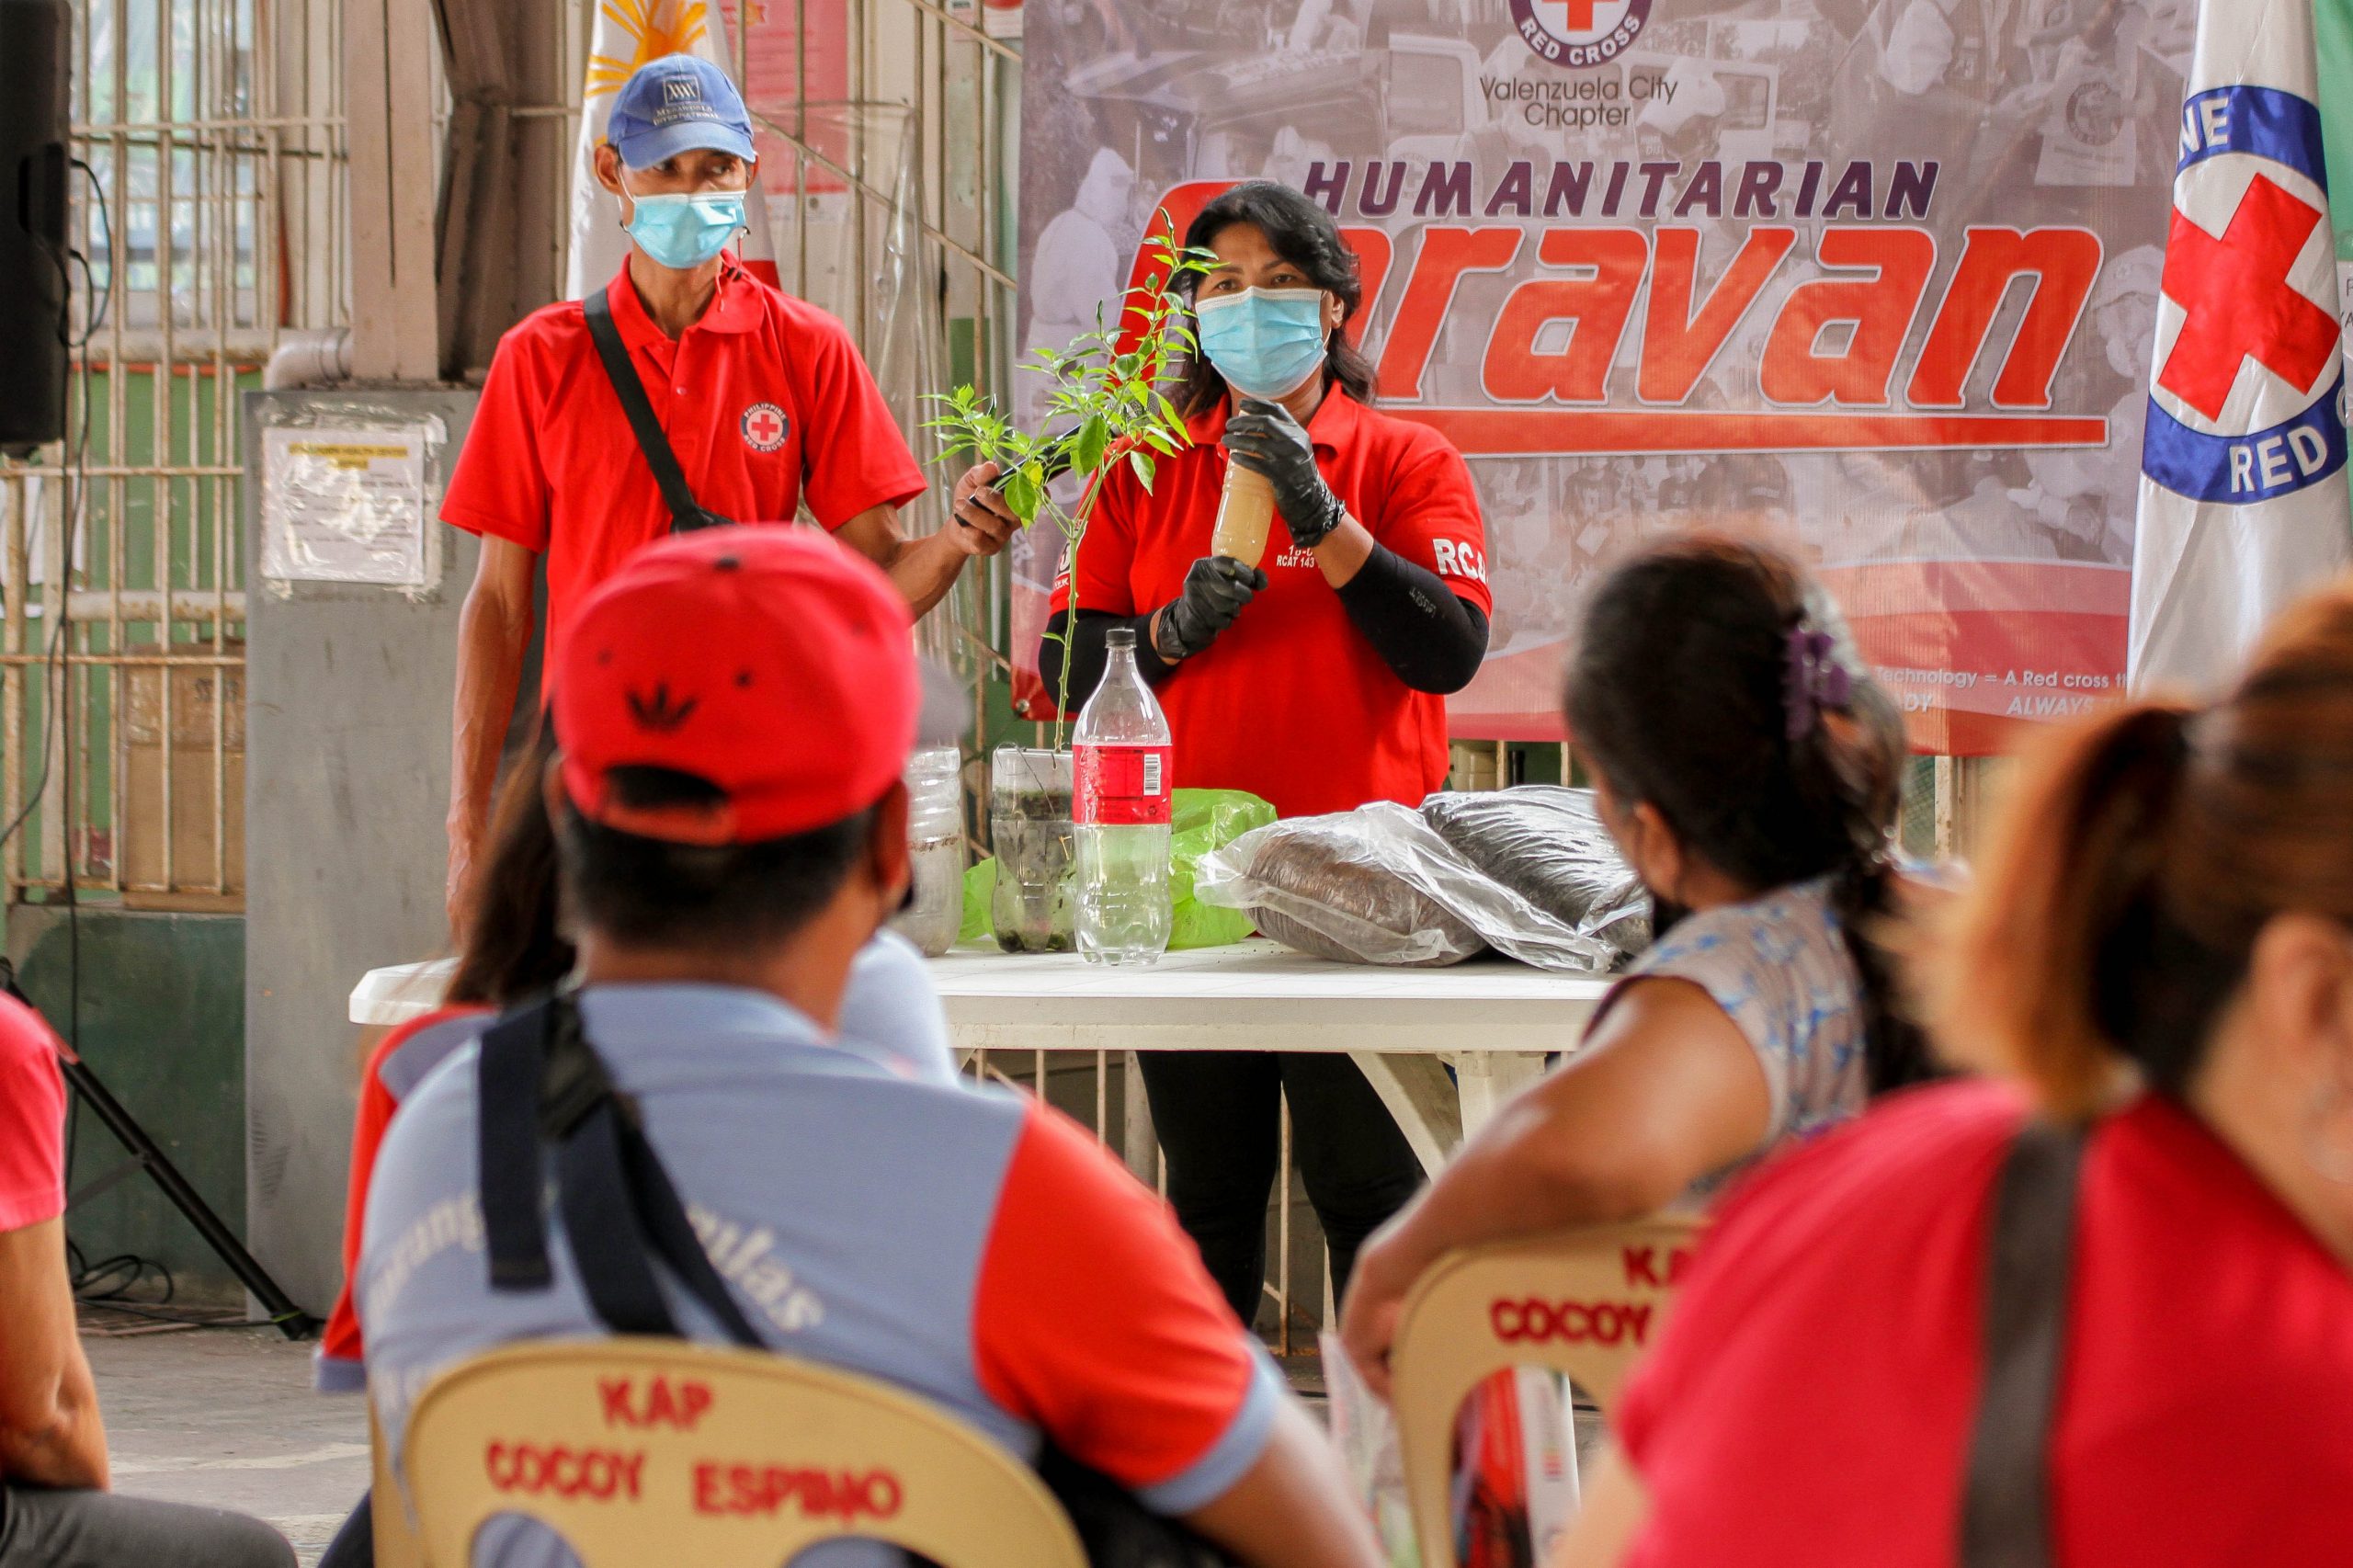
pixel 289 1319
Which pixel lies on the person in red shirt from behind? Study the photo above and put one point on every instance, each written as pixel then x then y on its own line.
pixel 762 398
pixel 2159 950
pixel 1315 676
pixel 55 1508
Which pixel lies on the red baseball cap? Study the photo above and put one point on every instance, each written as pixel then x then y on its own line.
pixel 769 661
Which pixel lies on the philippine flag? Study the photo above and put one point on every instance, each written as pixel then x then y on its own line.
pixel 629 34
pixel 2243 486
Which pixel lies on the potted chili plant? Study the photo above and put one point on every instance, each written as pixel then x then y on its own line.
pixel 1106 409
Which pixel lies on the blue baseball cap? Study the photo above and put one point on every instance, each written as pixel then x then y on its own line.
pixel 677 104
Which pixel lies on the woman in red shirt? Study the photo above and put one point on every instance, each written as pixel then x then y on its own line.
pixel 1315 676
pixel 2156 963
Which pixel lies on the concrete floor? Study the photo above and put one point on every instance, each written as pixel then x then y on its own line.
pixel 226 1416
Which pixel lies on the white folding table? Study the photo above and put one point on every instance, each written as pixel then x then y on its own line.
pixel 1493 1022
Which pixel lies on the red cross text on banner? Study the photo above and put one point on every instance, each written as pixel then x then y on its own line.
pixel 1576 34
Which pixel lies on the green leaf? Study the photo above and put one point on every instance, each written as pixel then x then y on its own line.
pixel 1023 493
pixel 1103 387
pixel 1094 438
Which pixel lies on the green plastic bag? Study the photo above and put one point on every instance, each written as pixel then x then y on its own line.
pixel 980 886
pixel 1204 820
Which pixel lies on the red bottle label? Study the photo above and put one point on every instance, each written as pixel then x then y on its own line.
pixel 1122 786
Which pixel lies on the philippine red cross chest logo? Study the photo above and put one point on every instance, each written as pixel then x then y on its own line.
pixel 765 426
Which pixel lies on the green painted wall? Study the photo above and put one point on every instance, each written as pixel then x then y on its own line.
pixel 162 1024
pixel 2333 34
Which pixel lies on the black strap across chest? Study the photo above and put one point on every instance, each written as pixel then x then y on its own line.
pixel 543 1085
pixel 686 514
pixel 2005 1501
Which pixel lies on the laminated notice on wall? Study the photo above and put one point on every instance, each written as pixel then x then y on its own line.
pixel 346 505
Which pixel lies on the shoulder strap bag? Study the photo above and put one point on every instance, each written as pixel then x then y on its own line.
pixel 686 514
pixel 2005 1501
pixel 541 1083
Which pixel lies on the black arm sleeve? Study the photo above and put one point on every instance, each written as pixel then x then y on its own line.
pixel 1423 630
pixel 1089 656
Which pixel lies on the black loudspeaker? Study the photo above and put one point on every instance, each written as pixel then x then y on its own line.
pixel 34 167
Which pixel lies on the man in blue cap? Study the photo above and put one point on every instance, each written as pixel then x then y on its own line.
pixel 687 393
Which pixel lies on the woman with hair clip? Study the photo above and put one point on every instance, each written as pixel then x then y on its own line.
pixel 1751 774
pixel 2100 1309
pixel 1314 676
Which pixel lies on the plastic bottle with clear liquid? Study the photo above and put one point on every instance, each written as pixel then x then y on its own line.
pixel 1246 509
pixel 1122 807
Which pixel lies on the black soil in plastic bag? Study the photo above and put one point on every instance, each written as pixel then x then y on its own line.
pixel 1321 862
pixel 1547 844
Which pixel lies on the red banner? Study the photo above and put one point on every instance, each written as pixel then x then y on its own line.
pixel 1875 279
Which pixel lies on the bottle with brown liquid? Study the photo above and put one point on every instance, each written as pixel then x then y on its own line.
pixel 1246 509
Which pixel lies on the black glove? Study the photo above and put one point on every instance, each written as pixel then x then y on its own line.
pixel 1263 437
pixel 1215 590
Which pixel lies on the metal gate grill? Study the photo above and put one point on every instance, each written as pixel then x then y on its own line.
pixel 210 221
pixel 207 216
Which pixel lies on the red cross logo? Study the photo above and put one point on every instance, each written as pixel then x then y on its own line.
pixel 764 427
pixel 2238 301
pixel 1576 15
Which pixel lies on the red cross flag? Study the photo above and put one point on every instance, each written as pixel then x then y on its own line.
pixel 2243 486
pixel 629 34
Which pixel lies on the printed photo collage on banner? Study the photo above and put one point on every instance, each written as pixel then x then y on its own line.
pixel 1877 277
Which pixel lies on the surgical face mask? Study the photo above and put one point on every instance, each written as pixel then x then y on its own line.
pixel 1265 342
pixel 683 230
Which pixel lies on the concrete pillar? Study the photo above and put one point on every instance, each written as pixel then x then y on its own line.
pixel 506 206
pixel 388 48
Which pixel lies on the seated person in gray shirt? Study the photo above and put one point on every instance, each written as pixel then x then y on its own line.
pixel 735 710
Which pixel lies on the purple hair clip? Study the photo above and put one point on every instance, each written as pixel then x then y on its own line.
pixel 1814 680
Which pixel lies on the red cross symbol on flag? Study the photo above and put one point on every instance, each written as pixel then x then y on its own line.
pixel 2238 303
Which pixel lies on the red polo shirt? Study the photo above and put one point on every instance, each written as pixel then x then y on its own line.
pixel 765 399
pixel 1290 702
pixel 1811 1400
pixel 32 1121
